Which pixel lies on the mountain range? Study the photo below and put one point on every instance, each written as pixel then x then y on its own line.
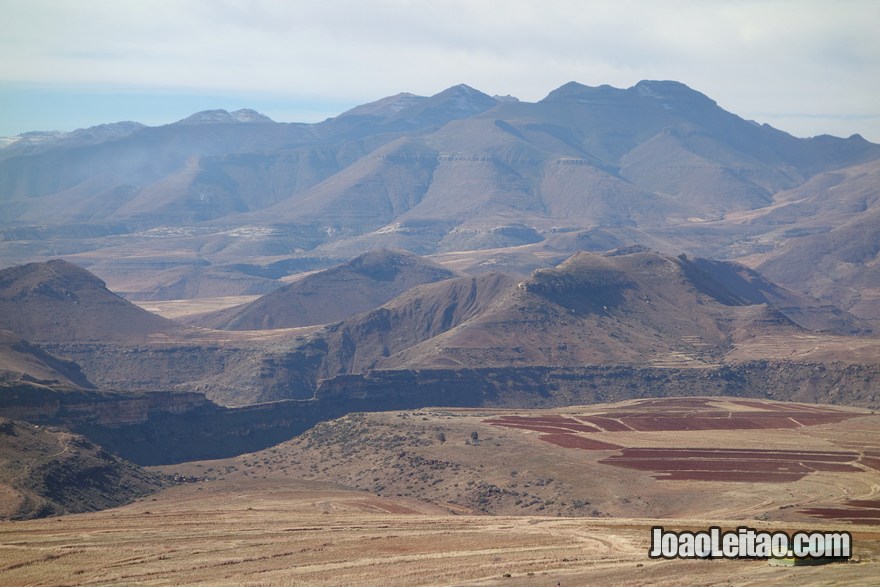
pixel 389 311
pixel 631 307
pixel 229 203
pixel 459 249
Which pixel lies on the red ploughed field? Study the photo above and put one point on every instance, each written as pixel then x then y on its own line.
pixel 857 511
pixel 572 441
pixel 731 465
pixel 683 414
pixel 742 465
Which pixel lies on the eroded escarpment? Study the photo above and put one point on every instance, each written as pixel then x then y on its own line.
pixel 157 428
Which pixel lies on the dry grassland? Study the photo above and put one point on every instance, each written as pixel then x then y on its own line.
pixel 282 516
pixel 296 533
pixel 175 309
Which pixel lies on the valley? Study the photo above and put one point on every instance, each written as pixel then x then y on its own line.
pixel 447 339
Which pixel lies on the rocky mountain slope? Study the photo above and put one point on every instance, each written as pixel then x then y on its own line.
pixel 23 362
pixel 51 472
pixel 826 241
pixel 361 284
pixel 57 301
pixel 629 307
pixel 636 317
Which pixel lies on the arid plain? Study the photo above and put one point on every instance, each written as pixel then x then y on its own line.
pixel 568 506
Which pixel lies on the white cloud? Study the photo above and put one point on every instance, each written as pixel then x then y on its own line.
pixel 774 58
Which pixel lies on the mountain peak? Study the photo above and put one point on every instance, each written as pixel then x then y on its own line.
pixel 464 92
pixel 220 116
pixel 461 89
pixel 80 136
pixel 381 263
pixel 574 91
pixel 667 90
pixel 459 101
pixel 572 87
pixel 54 278
pixel 386 107
pixel 581 270
pixel 57 301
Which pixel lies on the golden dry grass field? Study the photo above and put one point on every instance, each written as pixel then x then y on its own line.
pixel 175 309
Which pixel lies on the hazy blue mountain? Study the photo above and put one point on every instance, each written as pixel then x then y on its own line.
pixel 658 164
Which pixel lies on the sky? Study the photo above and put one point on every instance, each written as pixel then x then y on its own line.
pixel 808 67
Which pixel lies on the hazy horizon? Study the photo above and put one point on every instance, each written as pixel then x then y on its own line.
pixel 807 68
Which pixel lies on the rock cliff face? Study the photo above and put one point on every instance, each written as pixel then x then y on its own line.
pixel 160 427
pixel 231 374
pixel 545 387
pixel 215 432
pixel 41 404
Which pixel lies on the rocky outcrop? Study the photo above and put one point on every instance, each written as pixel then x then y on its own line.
pixel 229 374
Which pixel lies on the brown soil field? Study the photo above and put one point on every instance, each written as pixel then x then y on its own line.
pixel 659 415
pixel 698 414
